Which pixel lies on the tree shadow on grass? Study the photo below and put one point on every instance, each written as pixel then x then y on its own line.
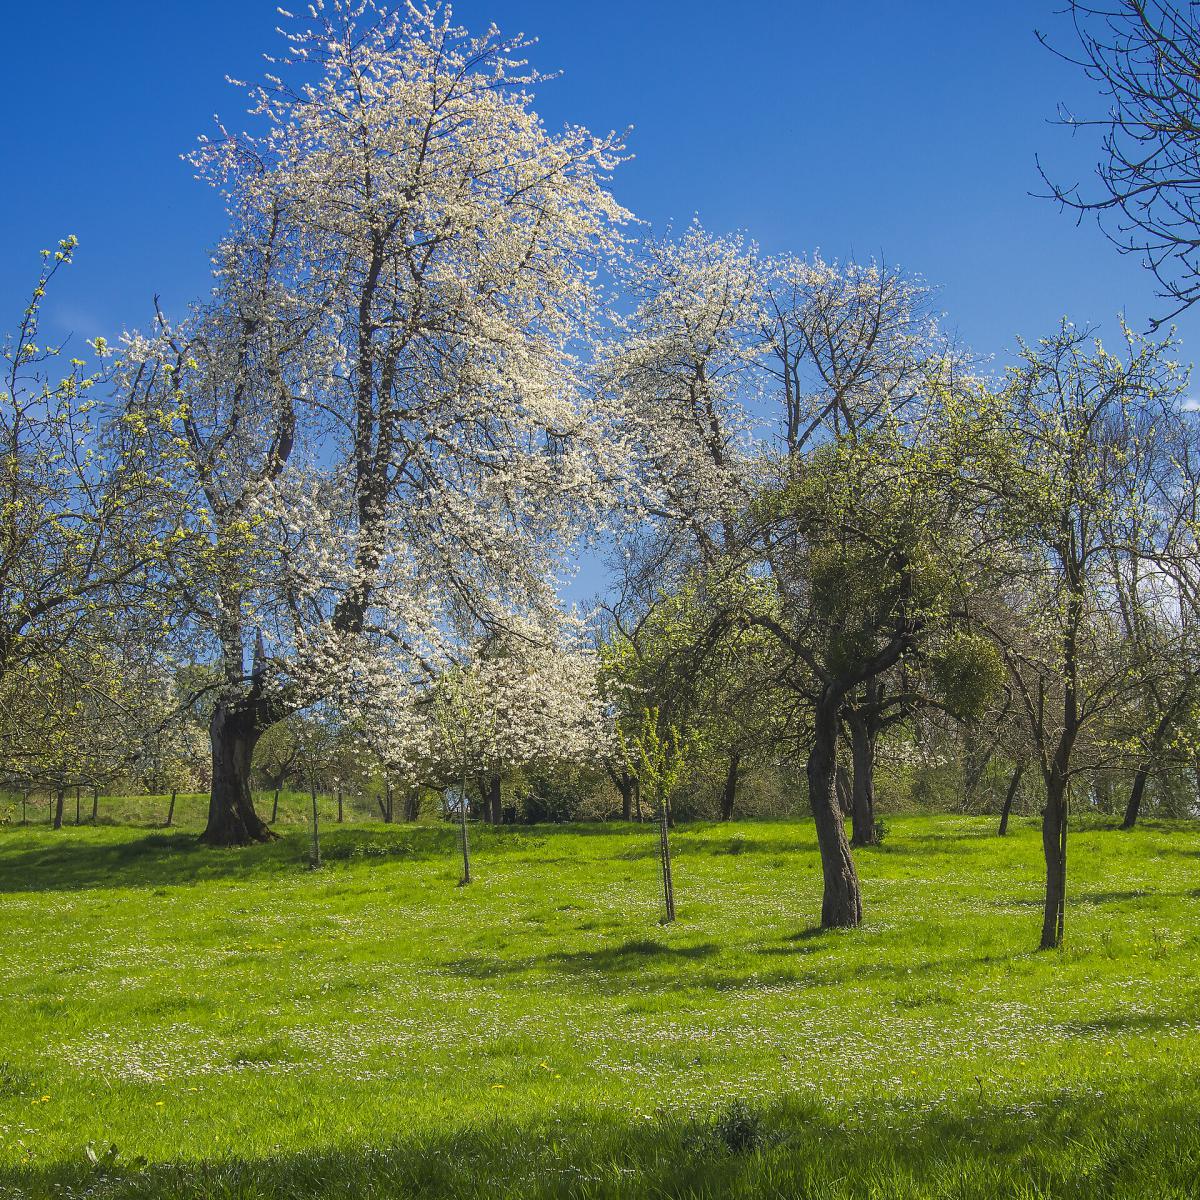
pixel 81 859
pixel 1060 1144
pixel 634 955
pixel 640 955
pixel 78 863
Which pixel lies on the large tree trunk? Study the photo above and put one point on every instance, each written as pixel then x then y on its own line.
pixel 1013 785
pixel 1134 807
pixel 729 795
pixel 493 802
pixel 234 732
pixel 58 807
pixel 1054 846
pixel 275 807
pixel 841 905
pixel 862 801
pixel 412 804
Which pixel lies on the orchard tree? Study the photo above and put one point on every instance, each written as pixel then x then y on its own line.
pixel 83 524
pixel 672 652
pixel 805 438
pixel 382 433
pixel 655 754
pixel 1083 511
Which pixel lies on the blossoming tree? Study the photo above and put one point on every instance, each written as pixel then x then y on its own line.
pixel 382 432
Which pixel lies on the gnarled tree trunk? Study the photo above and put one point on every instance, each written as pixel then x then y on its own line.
pixel 234 731
pixel 841 904
pixel 843 789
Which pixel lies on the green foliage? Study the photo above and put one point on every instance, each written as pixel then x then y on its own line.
pixel 655 755
pixel 968 672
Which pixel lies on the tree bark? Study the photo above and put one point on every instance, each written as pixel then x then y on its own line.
pixel 234 731
pixel 171 810
pixel 412 804
pixel 1134 807
pixel 729 795
pixel 624 784
pixel 95 805
pixel 843 790
pixel 58 807
pixel 637 798
pixel 862 799
pixel 275 807
pixel 1013 785
pixel 841 904
pixel 494 800
pixel 1054 846
pixel 341 817
pixel 78 813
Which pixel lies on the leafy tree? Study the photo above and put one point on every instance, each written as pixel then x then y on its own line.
pixel 1087 429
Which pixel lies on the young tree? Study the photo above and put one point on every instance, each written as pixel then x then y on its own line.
pixel 656 756
pixel 382 429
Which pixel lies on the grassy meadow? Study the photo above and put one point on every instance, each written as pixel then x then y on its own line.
pixel 237 1025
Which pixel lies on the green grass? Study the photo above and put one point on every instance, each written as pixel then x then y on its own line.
pixel 239 1026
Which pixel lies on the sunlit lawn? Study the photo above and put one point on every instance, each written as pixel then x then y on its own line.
pixel 238 1025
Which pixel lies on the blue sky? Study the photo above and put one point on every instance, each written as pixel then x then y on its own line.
pixel 866 127
pixel 862 127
